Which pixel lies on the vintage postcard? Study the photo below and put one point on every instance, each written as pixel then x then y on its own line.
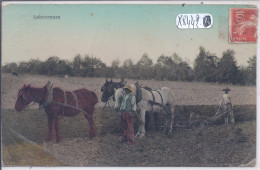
pixel 129 84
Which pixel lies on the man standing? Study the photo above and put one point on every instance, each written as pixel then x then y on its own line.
pixel 127 109
pixel 227 107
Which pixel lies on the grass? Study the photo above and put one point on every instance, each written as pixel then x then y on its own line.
pixel 24 154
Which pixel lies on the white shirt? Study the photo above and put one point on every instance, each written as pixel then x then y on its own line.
pixel 226 99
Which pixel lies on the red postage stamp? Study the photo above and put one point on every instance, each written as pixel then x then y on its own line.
pixel 243 25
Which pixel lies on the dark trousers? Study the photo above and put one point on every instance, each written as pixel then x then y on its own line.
pixel 229 116
pixel 128 128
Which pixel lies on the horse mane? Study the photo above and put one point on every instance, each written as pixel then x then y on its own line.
pixel 147 88
pixel 118 84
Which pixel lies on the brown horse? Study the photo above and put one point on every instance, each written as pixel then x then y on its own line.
pixel 62 103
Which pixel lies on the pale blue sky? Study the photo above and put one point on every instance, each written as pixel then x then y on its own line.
pixel 113 32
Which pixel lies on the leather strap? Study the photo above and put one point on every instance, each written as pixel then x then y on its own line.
pixel 76 99
pixel 65 97
pixel 160 96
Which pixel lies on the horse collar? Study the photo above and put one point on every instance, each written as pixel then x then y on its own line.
pixel 114 97
pixel 48 98
pixel 138 94
pixel 160 96
pixel 114 90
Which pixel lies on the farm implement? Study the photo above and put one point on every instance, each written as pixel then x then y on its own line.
pixel 198 122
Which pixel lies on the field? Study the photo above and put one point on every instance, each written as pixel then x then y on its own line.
pixel 23 133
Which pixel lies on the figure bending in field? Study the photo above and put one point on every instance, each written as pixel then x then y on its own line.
pixel 227 107
pixel 127 109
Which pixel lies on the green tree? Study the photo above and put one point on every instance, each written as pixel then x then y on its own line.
pixel 34 66
pixel 64 68
pixel 205 66
pixel 114 69
pixel 176 58
pixel 185 72
pixel 51 65
pixel 23 67
pixel 94 66
pixel 10 67
pixel 77 66
pixel 165 69
pixel 128 69
pixel 227 69
pixel 172 68
pixel 144 67
pixel 249 72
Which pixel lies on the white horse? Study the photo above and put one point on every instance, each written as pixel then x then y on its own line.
pixel 162 96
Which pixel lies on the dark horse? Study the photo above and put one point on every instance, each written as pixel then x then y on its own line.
pixel 109 88
pixel 62 103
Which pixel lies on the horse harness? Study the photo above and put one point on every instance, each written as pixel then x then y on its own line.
pixel 165 110
pixel 115 87
pixel 152 102
pixel 49 100
pixel 65 101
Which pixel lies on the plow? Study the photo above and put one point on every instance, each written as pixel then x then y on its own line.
pixel 198 122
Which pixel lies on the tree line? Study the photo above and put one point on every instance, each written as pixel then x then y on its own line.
pixel 207 68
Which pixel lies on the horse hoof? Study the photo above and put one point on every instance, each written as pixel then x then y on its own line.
pixel 91 136
pixel 137 135
pixel 57 140
pixel 48 139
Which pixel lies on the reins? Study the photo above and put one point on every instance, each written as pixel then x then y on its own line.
pixel 70 106
pixel 107 102
pixel 33 102
pixel 60 104
pixel 153 102
pixel 111 97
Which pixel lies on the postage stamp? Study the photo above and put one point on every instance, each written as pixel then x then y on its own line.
pixel 243 25
pixel 129 84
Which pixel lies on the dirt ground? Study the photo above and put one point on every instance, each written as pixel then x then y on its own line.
pixel 219 145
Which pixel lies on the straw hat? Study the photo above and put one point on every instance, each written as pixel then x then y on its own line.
pixel 226 89
pixel 129 88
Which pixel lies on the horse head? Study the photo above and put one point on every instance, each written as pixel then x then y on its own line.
pixel 123 81
pixel 108 90
pixel 24 98
pixel 105 85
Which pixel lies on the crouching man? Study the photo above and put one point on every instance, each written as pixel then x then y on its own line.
pixel 127 109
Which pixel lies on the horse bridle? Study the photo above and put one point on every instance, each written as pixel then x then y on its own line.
pixel 111 97
pixel 31 100
pixel 107 102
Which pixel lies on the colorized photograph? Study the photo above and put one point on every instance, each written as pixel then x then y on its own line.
pixel 166 84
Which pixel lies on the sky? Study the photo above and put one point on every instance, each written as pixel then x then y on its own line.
pixel 114 31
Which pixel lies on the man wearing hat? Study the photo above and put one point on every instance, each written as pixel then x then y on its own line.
pixel 127 109
pixel 227 107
